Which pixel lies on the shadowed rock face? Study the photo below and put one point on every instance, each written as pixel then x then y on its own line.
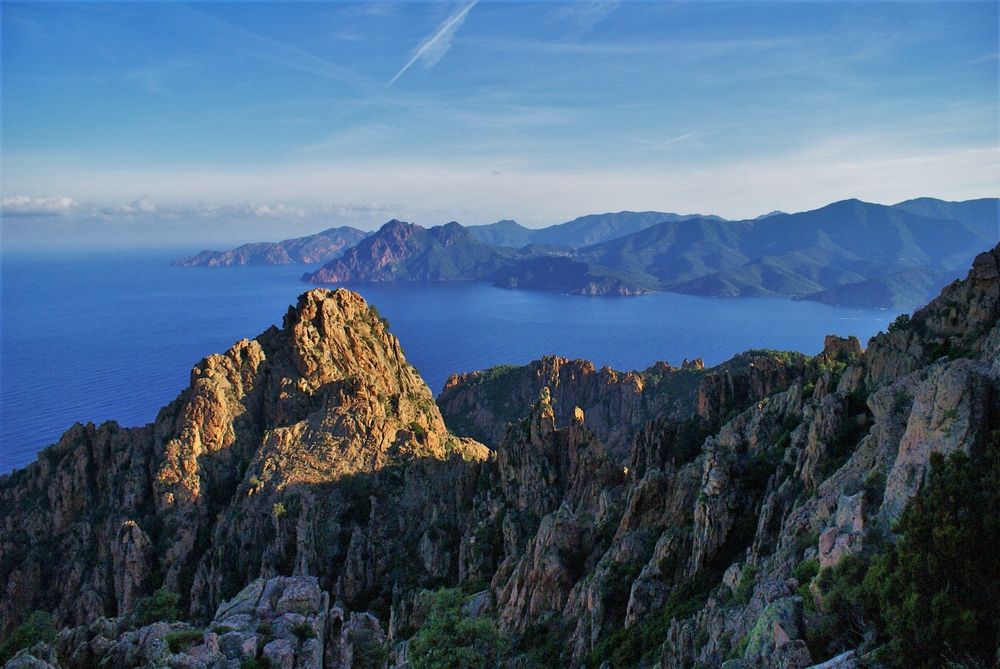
pixel 615 405
pixel 313 459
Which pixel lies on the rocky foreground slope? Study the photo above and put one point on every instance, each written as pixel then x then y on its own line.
pixel 302 503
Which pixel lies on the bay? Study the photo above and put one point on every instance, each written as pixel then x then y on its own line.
pixel 113 336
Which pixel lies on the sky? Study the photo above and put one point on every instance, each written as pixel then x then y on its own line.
pixel 151 124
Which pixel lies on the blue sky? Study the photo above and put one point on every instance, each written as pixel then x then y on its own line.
pixel 159 123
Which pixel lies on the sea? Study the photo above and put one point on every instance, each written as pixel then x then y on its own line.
pixel 97 336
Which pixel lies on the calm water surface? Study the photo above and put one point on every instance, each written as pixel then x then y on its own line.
pixel 114 336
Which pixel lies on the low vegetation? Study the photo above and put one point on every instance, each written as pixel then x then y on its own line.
pixel 933 598
pixel 37 628
pixel 450 639
pixel 180 640
pixel 161 606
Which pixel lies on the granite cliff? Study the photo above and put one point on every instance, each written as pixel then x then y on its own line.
pixel 305 503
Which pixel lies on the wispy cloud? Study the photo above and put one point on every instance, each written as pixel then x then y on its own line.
pixel 584 16
pixel 692 137
pixel 687 48
pixel 275 51
pixel 433 49
pixel 145 207
pixel 986 58
pixel 147 80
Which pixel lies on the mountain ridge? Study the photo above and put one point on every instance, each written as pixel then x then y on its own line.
pixel 847 253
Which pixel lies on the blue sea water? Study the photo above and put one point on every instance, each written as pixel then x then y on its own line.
pixel 95 337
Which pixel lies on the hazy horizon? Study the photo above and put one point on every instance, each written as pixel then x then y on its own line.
pixel 217 124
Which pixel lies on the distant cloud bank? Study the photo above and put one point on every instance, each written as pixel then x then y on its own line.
pixel 24 205
pixel 58 221
pixel 62 205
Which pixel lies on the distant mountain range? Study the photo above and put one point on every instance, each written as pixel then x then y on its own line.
pixel 846 253
pixel 582 231
pixel 317 248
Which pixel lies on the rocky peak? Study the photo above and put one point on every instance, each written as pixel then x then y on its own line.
pixel 450 233
pixel 697 363
pixel 395 225
pixel 744 379
pixel 841 349
pixel 374 258
pixel 328 395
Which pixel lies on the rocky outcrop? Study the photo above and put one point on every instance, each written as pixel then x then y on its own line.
pixel 283 622
pixel 954 407
pixel 616 405
pixel 211 494
pixel 961 322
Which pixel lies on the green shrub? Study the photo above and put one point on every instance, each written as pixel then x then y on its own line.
pixel 183 639
pixel 804 573
pixel 848 614
pixel 691 434
pixel 36 628
pixel 845 439
pixel 626 647
pixel 473 586
pixel 806 570
pixel 739 649
pixel 808 538
pixel 161 606
pixel 256 663
pixel 449 639
pixel 542 643
pixel 939 589
pixel 265 629
pixel 744 589
pixel 278 510
pixel 303 631
pixel 932 599
pixel 902 322
pixel 874 488
pixel 378 316
pixel 367 651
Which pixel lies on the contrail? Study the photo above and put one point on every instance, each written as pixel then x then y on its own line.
pixel 447 28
